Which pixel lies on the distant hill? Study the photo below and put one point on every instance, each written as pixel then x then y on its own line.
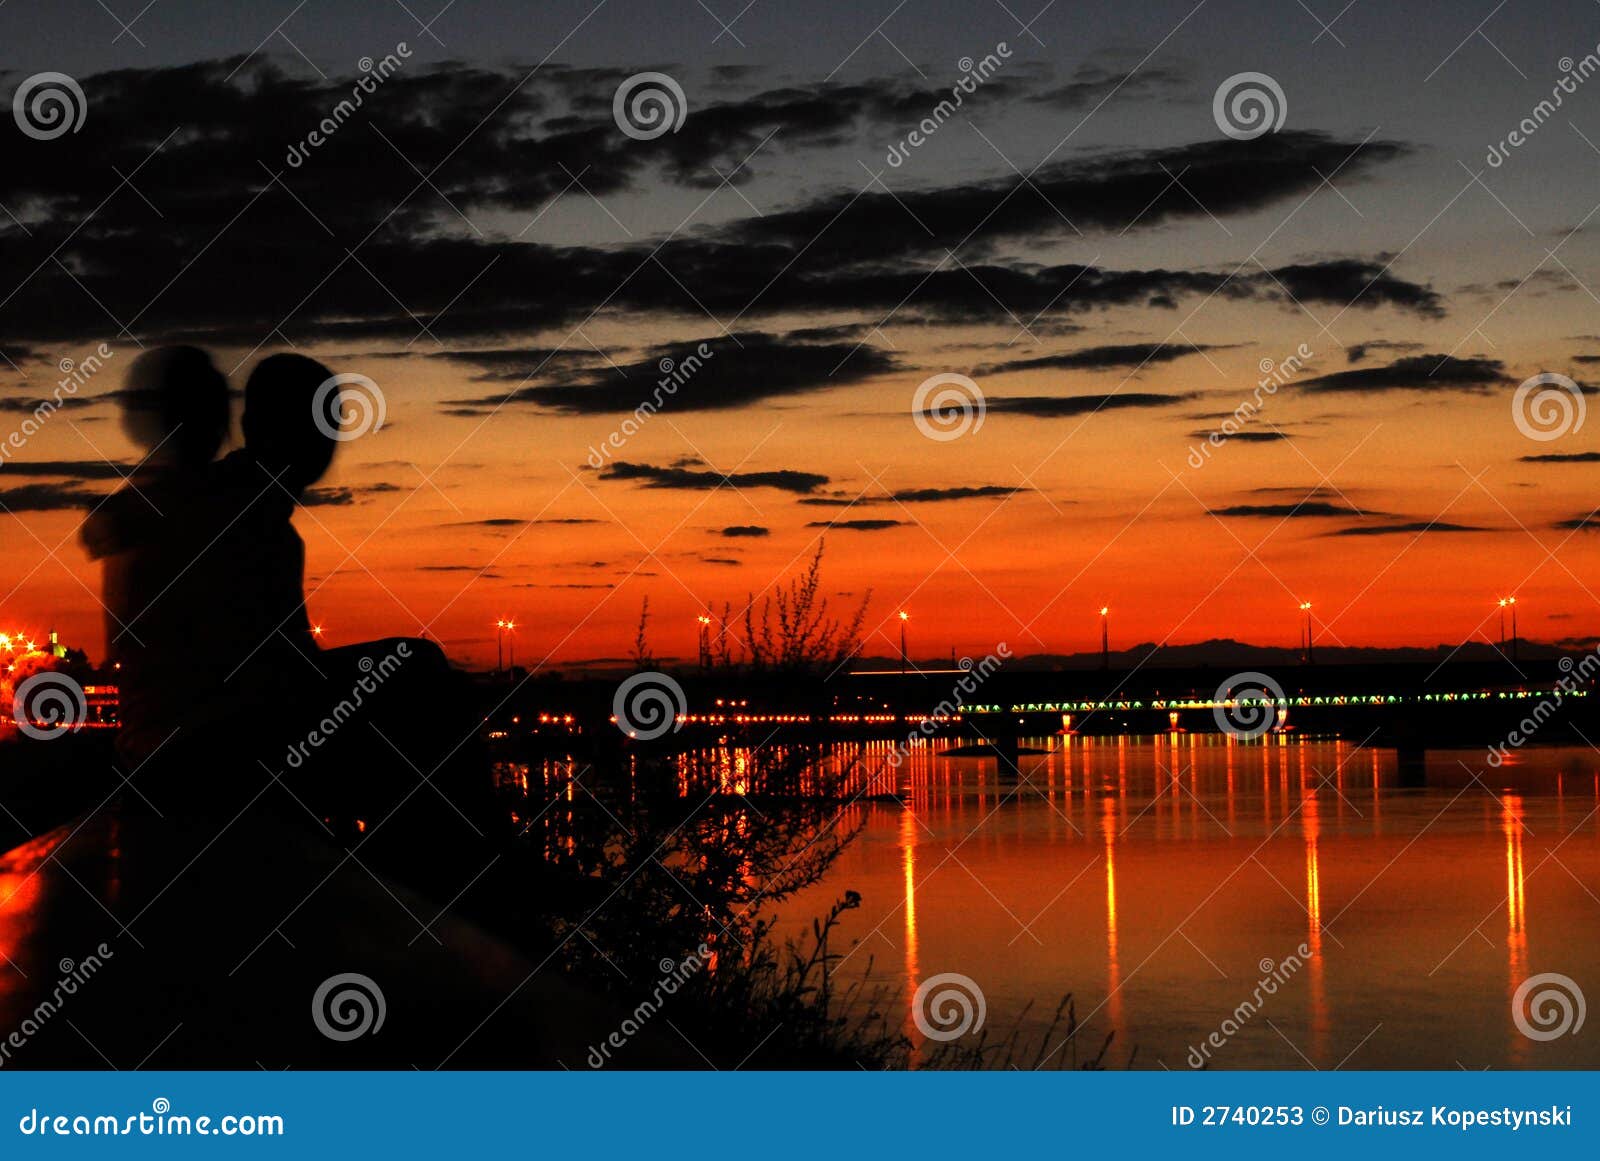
pixel 1226 653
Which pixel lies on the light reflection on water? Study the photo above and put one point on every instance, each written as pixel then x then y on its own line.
pixel 1159 880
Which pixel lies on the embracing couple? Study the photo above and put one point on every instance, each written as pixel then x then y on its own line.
pixel 224 686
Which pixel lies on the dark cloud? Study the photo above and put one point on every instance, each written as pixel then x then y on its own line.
pixel 493 145
pixel 857 525
pixel 1063 406
pixel 1588 522
pixel 694 376
pixel 1305 508
pixel 1112 191
pixel 1099 358
pixel 1246 436
pixel 1351 282
pixel 47 498
pixel 738 531
pixel 935 495
pixel 722 560
pixel 26 406
pixel 1356 352
pixel 1563 458
pixel 499 147
pixel 343 496
pixel 1412 526
pixel 704 479
pixel 1417 373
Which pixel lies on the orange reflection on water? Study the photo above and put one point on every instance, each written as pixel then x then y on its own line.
pixel 908 847
pixel 1108 831
pixel 1311 823
pixel 1512 826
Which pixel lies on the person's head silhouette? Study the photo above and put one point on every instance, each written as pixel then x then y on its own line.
pixel 175 407
pixel 288 429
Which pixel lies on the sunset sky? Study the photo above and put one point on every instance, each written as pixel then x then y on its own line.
pixel 1081 239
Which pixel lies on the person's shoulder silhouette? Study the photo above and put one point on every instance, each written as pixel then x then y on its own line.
pixel 152 535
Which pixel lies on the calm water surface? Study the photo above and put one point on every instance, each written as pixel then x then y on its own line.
pixel 1159 880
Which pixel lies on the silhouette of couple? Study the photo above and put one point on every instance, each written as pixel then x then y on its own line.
pixel 224 688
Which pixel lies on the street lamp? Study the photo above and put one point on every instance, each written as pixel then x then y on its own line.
pixel 1305 607
pixel 905 662
pixel 1105 637
pixel 705 641
pixel 500 645
pixel 511 644
pixel 1512 601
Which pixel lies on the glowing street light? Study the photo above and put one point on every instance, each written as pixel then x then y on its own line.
pixel 1512 601
pixel 500 628
pixel 705 640
pixel 905 662
pixel 1305 607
